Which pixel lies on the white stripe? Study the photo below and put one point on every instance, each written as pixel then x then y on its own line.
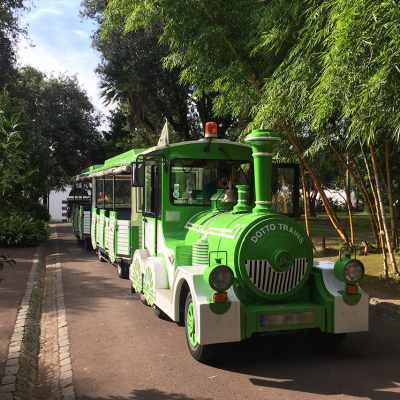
pixel 262 138
pixel 263 154
pixel 263 202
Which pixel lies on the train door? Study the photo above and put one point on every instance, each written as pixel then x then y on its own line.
pixel 152 205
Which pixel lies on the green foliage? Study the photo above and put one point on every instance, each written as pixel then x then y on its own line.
pixel 61 133
pixel 10 31
pixel 11 181
pixel 22 231
pixel 132 74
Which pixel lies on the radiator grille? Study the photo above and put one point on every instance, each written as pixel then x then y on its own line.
pixel 266 279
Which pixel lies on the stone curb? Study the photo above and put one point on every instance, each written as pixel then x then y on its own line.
pixel 66 375
pixel 22 361
pixel 385 310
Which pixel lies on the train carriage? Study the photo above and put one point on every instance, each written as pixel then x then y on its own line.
pixel 213 255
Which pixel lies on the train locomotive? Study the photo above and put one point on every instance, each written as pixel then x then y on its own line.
pixel 210 253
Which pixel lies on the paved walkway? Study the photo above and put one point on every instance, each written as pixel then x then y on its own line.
pixel 55 371
pixel 33 289
pixel 12 290
pixel 37 367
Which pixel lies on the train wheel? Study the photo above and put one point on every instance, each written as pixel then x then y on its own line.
pixel 159 313
pixel 122 271
pixel 325 340
pixel 199 352
pixel 100 257
pixel 148 287
pixel 88 244
pixel 143 299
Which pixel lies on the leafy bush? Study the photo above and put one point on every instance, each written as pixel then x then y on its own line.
pixel 34 209
pixel 22 231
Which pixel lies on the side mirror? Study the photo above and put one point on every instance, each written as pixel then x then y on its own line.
pixel 138 174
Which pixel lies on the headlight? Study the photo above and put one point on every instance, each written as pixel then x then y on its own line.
pixel 353 271
pixel 349 270
pixel 220 278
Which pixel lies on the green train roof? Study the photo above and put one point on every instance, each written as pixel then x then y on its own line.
pixel 118 161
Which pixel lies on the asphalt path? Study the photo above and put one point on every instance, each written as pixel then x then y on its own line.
pixel 121 350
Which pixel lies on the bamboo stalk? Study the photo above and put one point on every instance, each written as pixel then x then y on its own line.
pixel 328 207
pixel 367 201
pixel 378 215
pixel 382 211
pixel 347 200
pixel 390 195
pixel 306 216
pixel 331 213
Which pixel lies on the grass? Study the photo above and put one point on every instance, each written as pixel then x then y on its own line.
pixel 372 282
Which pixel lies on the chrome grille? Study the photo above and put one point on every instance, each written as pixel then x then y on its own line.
pixel 266 279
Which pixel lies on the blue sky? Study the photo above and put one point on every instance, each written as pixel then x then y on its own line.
pixel 62 43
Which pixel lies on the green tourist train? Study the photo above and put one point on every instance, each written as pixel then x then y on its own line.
pixel 193 227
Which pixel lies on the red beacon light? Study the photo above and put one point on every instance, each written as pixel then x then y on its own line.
pixel 211 130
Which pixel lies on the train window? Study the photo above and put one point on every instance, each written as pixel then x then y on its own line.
pixel 122 192
pixel 285 189
pixel 193 182
pixel 149 198
pixel 152 190
pixel 99 193
pixel 108 192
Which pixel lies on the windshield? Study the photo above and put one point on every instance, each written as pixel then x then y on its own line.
pixel 193 182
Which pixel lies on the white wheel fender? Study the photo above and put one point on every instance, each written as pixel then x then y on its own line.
pixel 158 271
pixel 142 255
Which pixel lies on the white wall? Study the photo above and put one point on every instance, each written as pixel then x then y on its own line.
pixel 56 204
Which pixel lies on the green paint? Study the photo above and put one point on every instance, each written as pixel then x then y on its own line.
pixel 148 286
pixel 190 325
pixel 262 141
pixel 320 295
pixel 350 299
pixel 344 262
pixel 219 308
pixel 136 278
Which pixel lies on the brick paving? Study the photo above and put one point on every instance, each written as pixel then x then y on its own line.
pixel 21 367
pixel 55 380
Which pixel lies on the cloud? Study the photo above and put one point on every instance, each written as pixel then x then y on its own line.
pixel 80 33
pixel 62 45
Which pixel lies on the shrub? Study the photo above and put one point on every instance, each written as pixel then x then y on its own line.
pixel 22 231
pixel 37 211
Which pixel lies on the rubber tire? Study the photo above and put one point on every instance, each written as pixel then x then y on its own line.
pixel 201 353
pixel 143 300
pixel 88 244
pixel 132 289
pixel 122 271
pixel 323 340
pixel 159 313
pixel 101 259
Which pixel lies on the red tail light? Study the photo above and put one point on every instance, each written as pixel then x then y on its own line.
pixel 352 289
pixel 220 297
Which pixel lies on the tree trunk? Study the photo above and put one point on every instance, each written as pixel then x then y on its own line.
pixel 367 200
pixel 382 210
pixel 305 198
pixel 390 196
pixel 311 198
pixel 348 202
pixel 359 186
pixel 328 207
pixel 257 85
pixel 378 215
